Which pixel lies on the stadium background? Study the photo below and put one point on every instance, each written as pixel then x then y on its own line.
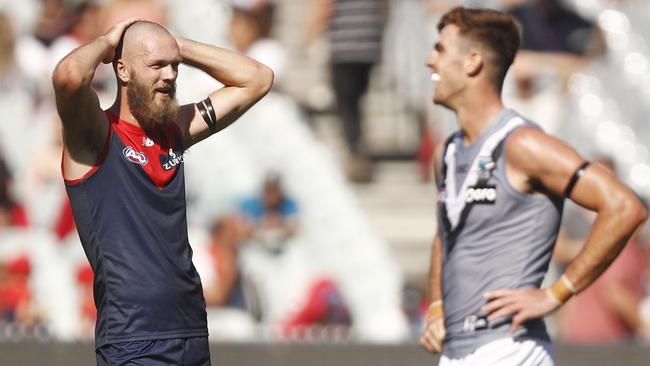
pixel 344 281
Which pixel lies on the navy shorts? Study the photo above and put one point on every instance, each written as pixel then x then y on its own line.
pixel 165 352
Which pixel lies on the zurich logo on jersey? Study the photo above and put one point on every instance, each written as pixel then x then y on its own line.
pixel 135 156
pixel 171 160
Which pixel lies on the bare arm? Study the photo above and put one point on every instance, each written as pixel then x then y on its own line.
pixel 539 162
pixel 84 125
pixel 434 334
pixel 246 81
pixel 435 271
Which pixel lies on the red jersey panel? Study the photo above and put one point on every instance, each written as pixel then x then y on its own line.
pixel 158 153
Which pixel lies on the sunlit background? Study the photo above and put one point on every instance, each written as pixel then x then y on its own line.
pixel 305 232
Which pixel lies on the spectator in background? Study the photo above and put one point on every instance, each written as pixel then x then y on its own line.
pixel 323 305
pixel 224 285
pixel 12 214
pixel 250 29
pixel 16 101
pixel 34 51
pixel 272 215
pixel 115 10
pixel 355 30
pixel 556 43
pixel 83 28
pixel 595 316
pixel 7 55
pixel 550 26
pixel 15 292
pixel 87 309
pixel 45 197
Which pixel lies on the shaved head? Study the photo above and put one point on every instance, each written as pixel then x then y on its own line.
pixel 138 36
pixel 146 66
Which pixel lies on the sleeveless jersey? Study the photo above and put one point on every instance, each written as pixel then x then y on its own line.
pixel 493 237
pixel 130 215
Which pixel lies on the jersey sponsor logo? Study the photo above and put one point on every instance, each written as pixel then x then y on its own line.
pixel 133 156
pixel 481 195
pixel 486 166
pixel 171 160
pixel 473 323
pixel 147 142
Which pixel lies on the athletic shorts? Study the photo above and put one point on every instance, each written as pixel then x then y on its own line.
pixel 165 352
pixel 506 352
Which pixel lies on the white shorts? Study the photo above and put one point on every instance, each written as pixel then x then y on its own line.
pixel 506 352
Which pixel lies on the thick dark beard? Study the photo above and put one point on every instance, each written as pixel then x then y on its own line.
pixel 146 111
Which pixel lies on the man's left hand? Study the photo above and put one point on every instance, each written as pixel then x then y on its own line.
pixel 521 305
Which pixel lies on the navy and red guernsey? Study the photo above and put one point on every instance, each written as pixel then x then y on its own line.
pixel 130 214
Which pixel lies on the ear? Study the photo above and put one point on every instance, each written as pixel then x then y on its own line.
pixel 122 72
pixel 473 63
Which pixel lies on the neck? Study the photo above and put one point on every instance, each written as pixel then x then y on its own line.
pixel 121 108
pixel 477 113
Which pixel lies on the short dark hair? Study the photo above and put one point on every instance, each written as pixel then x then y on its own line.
pixel 498 32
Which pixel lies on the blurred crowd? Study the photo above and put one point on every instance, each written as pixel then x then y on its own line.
pixel 283 250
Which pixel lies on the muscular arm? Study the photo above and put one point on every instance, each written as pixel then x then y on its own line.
pixel 84 125
pixel 246 81
pixel 550 164
pixel 541 164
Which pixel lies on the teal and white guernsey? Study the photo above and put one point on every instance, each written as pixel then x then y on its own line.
pixel 493 237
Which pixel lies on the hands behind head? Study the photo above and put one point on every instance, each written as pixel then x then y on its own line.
pixel 113 36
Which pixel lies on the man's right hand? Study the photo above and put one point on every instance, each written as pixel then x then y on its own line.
pixel 434 335
pixel 113 36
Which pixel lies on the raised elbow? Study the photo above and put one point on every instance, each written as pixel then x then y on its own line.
pixel 67 76
pixel 266 77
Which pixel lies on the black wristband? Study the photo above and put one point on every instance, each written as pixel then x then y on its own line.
pixel 572 183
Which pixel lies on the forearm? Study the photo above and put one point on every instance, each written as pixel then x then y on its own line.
pixel 610 232
pixel 435 271
pixel 77 69
pixel 229 68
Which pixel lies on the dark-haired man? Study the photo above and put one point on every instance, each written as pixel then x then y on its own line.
pixel 123 171
pixel 501 183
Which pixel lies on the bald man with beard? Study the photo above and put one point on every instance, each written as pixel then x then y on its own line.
pixel 123 171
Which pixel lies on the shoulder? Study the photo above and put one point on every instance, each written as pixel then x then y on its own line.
pixel 527 146
pixel 540 156
pixel 526 139
pixel 530 141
